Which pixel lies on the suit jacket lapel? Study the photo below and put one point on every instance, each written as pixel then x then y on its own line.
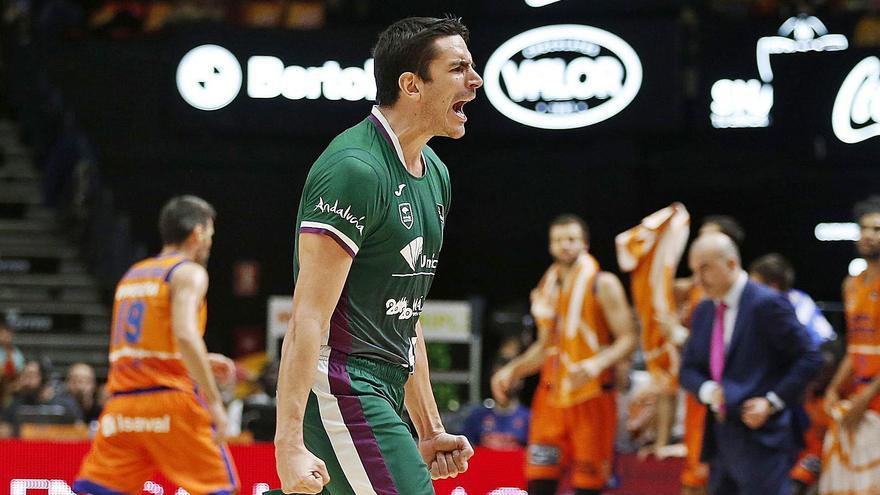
pixel 742 315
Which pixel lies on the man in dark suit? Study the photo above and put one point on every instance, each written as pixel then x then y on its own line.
pixel 748 359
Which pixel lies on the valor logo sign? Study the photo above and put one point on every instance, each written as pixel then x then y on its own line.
pixel 563 77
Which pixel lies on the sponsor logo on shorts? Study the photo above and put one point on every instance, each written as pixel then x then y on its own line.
pixel 402 309
pixel 543 455
pixel 343 213
pixel 111 424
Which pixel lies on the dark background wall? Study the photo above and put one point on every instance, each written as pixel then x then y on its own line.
pixel 508 180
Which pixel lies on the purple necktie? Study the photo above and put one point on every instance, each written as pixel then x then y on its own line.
pixel 716 349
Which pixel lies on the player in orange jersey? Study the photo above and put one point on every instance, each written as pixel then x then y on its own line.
pixel 164 412
pixel 851 460
pixel 585 327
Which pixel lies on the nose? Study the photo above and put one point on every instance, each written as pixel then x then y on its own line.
pixel 476 81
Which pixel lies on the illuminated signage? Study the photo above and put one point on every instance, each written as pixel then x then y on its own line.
pixel 857 266
pixel 855 116
pixel 807 34
pixel 269 78
pixel 209 77
pixel 539 3
pixel 739 103
pixel 838 231
pixel 562 77
pixel 747 103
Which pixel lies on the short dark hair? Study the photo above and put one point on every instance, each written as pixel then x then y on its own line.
pixel 569 218
pixel 180 215
pixel 728 226
pixel 775 269
pixel 408 46
pixel 866 207
pixel 4 323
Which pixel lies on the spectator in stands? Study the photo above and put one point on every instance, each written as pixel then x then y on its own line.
pixel 774 271
pixel 866 34
pixel 258 408
pixel 267 383
pixel 11 362
pixel 32 390
pixel 82 386
pixel 118 18
pixel 496 425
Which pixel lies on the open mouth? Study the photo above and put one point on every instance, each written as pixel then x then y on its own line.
pixel 458 109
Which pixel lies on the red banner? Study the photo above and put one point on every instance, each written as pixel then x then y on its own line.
pixel 48 468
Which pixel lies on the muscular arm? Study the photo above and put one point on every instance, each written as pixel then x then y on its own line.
pixel 530 361
pixel 527 363
pixel 419 396
pixel 844 370
pixel 619 316
pixel 446 455
pixel 324 266
pixel 189 283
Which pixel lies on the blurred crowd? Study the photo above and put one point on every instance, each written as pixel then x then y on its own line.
pixel 33 393
pixel 124 18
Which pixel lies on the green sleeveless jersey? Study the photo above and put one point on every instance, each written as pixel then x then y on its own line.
pixel 359 193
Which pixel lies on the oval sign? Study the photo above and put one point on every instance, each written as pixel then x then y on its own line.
pixel 562 77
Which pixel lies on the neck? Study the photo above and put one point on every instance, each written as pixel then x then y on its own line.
pixel 873 270
pixel 412 136
pixel 510 406
pixel 181 250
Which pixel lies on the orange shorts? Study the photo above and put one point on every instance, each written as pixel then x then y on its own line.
pixel 695 473
pixel 581 436
pixel 168 431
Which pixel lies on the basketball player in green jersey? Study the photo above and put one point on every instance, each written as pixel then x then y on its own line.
pixel 369 232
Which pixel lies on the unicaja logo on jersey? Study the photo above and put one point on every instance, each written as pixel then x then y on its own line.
pixel 562 77
pixel 417 261
pixel 856 113
pixel 209 77
pixel 412 252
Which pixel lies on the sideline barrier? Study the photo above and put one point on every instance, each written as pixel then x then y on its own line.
pixel 48 468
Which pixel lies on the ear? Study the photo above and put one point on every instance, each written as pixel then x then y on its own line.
pixel 197 234
pixel 732 264
pixel 410 85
